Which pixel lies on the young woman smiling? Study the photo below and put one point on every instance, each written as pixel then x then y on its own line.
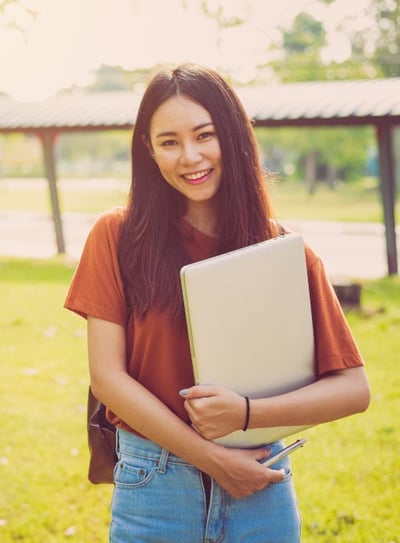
pixel 197 190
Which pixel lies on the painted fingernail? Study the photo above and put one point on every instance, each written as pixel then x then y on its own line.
pixel 183 392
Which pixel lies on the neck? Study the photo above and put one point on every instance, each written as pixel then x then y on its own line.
pixel 202 218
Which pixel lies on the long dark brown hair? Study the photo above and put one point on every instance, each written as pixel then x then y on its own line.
pixel 150 254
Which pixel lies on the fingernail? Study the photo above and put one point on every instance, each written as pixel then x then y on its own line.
pixel 183 392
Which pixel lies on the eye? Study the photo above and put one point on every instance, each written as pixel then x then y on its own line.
pixel 168 143
pixel 206 135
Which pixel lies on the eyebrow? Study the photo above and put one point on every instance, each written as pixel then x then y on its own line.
pixel 172 133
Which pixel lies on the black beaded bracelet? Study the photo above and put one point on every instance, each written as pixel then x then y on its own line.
pixel 246 422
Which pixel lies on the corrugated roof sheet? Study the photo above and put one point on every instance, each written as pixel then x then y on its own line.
pixel 357 101
pixel 83 110
pixel 324 100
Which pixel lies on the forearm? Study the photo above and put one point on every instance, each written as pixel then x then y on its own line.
pixel 335 396
pixel 146 414
pixel 133 403
pixel 237 471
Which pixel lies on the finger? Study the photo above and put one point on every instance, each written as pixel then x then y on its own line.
pixel 276 475
pixel 193 411
pixel 262 454
pixel 195 428
pixel 190 409
pixel 198 391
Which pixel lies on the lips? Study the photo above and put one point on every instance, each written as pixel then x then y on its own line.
pixel 197 177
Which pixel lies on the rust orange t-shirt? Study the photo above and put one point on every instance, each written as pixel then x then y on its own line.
pixel 158 353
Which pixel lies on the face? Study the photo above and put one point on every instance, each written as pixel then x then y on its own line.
pixel 185 146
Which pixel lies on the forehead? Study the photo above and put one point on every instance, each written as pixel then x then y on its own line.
pixel 178 113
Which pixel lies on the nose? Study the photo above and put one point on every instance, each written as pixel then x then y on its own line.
pixel 190 154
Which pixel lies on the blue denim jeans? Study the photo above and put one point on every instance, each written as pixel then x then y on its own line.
pixel 159 498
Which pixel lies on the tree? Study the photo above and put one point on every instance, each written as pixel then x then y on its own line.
pixel 16 14
pixel 340 149
pixel 113 78
pixel 217 13
pixel 376 44
pixel 298 54
pixel 387 53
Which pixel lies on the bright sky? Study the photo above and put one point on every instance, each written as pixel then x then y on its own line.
pixel 70 38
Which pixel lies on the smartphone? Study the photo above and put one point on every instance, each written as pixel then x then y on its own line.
pixel 283 452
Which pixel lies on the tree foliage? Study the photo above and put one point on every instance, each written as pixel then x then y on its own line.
pixel 342 150
pixel 218 13
pixel 115 78
pixel 16 14
pixel 384 51
pixel 298 53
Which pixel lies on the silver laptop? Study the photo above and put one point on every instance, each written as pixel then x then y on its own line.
pixel 250 326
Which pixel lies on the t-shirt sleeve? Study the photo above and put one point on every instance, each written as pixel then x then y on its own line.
pixel 96 288
pixel 335 347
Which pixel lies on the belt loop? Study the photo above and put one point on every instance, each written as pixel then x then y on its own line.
pixel 117 438
pixel 162 462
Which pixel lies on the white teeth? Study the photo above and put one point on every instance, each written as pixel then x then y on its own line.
pixel 197 175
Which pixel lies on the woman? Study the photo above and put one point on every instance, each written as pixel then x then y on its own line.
pixel 197 190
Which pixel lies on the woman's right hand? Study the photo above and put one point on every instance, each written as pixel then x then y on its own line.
pixel 239 472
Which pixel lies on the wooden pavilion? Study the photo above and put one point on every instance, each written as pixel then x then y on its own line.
pixel 329 103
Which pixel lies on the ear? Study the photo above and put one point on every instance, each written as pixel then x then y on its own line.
pixel 147 143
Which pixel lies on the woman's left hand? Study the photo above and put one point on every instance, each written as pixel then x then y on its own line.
pixel 214 411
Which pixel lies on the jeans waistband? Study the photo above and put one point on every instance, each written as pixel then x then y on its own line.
pixel 129 443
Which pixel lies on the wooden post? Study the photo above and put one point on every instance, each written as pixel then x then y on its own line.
pixel 384 132
pixel 47 138
pixel 311 171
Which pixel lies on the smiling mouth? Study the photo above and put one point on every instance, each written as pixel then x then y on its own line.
pixel 197 177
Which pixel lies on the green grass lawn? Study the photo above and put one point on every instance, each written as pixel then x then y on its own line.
pixel 349 202
pixel 43 451
pixel 86 195
pixel 354 202
pixel 347 475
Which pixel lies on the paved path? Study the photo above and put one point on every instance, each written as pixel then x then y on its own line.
pixel 348 250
